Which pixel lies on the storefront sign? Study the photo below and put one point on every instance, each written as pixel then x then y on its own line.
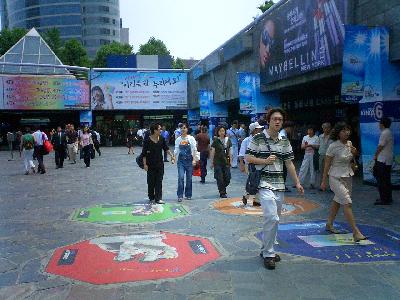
pixel 138 90
pixel 301 36
pixel 43 93
pixel 193 117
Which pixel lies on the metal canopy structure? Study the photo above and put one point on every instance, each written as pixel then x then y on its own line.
pixel 27 56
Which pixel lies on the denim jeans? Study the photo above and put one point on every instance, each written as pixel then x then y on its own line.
pixel 184 166
pixel 203 164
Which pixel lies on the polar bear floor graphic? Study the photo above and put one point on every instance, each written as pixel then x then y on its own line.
pixel 144 248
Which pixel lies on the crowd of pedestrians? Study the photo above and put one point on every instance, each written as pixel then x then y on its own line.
pixel 330 160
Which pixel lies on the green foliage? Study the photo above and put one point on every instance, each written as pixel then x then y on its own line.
pixel 74 54
pixel 113 48
pixel 267 5
pixel 178 63
pixel 153 47
pixel 9 37
pixel 53 39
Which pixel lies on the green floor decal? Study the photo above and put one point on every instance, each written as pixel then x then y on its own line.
pixel 129 213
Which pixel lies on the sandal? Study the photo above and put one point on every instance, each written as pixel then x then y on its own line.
pixel 331 229
pixel 358 239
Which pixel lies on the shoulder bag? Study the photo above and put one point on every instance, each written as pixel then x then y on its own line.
pixel 254 178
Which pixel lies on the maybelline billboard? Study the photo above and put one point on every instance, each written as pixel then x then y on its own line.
pixel 301 36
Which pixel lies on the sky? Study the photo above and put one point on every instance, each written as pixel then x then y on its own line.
pixel 189 28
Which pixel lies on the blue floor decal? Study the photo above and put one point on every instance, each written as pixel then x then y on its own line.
pixel 311 240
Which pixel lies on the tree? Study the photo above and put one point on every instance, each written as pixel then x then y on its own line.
pixel 178 63
pixel 74 54
pixel 267 5
pixel 113 48
pixel 9 37
pixel 153 47
pixel 53 39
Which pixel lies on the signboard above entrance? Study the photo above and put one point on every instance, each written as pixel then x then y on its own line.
pixel 43 93
pixel 301 36
pixel 138 90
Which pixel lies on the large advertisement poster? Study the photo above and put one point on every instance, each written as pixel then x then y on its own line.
pixel 214 112
pixel 380 94
pixel 138 90
pixel 43 93
pixel 300 36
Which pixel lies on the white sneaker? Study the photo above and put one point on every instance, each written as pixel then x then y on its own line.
pixel 188 198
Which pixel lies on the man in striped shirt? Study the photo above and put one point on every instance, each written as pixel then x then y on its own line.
pixel 269 151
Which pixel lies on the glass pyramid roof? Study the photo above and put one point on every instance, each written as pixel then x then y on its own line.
pixel 31 49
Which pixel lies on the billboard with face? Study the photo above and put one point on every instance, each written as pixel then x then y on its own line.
pixel 301 36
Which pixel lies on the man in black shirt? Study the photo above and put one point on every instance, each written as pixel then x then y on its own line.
pixel 153 161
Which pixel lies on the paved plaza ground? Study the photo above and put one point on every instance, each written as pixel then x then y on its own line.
pixel 36 219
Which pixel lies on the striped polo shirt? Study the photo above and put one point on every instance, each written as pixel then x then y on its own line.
pixel 272 175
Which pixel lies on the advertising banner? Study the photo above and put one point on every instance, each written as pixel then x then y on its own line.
pixel 301 36
pixel 381 98
pixel 86 117
pixel 247 92
pixel 354 60
pixel 252 102
pixel 43 93
pixel 206 99
pixel 138 90
pixel 193 118
pixel 370 115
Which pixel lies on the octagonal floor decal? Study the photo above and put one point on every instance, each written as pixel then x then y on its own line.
pixel 291 206
pixel 311 240
pixel 147 256
pixel 129 213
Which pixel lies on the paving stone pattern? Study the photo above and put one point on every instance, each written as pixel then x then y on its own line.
pixel 35 213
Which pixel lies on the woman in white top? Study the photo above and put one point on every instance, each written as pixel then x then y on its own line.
pixel 185 153
pixel 338 165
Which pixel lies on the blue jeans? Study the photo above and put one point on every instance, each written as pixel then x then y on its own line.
pixel 184 166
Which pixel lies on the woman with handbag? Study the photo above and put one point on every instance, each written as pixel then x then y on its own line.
pixel 221 157
pixel 87 146
pixel 185 153
pixel 340 165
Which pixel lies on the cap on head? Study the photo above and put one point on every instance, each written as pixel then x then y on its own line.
pixel 254 126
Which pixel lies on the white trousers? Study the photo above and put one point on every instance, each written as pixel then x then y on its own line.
pixel 28 159
pixel 307 166
pixel 271 203
pixel 235 152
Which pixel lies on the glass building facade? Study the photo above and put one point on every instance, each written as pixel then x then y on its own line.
pixel 93 22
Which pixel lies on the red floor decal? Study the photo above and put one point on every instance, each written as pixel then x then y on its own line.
pixel 116 259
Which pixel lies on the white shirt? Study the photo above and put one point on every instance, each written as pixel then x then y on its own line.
pixel 311 141
pixel 190 139
pixel 38 136
pixel 324 143
pixel 243 148
pixel 341 159
pixel 386 141
pixel 233 135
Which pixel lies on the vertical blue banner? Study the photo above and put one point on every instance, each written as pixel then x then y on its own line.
pixel 86 117
pixel 354 60
pixel 206 100
pixel 252 101
pixel 247 92
pixel 193 117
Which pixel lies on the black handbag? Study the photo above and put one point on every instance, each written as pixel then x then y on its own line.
pixel 254 178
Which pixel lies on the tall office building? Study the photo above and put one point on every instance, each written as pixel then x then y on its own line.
pixel 93 22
